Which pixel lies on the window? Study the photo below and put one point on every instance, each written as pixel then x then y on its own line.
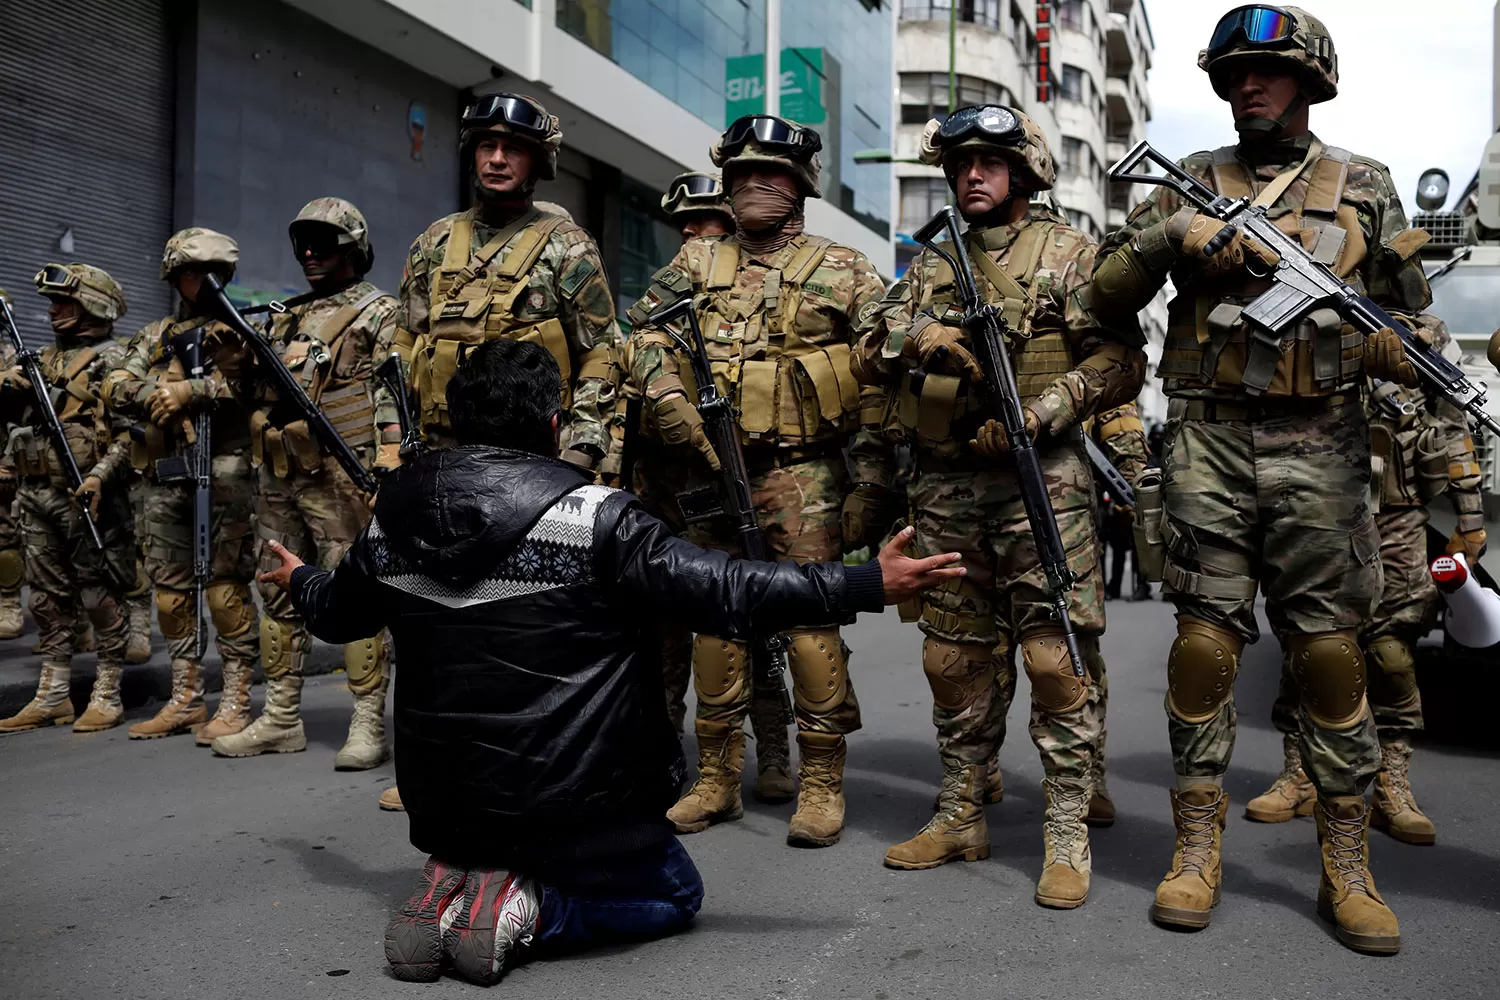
pixel 982 12
pixel 1072 83
pixel 1071 163
pixel 921 198
pixel 1083 222
pixel 925 95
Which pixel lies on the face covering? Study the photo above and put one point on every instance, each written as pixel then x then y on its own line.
pixel 768 215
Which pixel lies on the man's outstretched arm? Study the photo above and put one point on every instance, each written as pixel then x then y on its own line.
pixel 343 606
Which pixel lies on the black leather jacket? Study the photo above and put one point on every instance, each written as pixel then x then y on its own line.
pixel 531 728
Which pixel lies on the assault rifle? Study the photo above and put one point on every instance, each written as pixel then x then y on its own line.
pixel 987 329
pixel 31 364
pixel 734 500
pixel 392 375
pixel 1300 283
pixel 1114 480
pixel 289 391
pixel 195 465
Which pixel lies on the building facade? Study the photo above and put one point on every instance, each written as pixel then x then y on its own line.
pixel 233 114
pixel 1093 106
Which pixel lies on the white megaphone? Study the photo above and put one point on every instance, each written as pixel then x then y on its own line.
pixel 1473 617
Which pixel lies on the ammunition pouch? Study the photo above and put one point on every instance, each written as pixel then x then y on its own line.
pixel 1150 544
pixel 1432 464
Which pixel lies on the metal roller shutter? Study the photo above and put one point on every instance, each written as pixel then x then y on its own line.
pixel 86 113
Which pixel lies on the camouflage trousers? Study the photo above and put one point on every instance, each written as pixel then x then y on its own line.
pixel 12 565
pixel 317 518
pixel 69 577
pixel 1280 504
pixel 166 535
pixel 1407 611
pixel 974 507
pixel 800 508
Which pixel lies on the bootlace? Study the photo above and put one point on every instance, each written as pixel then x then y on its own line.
pixel 1346 841
pixel 1195 826
pixel 1394 769
pixel 950 802
pixel 369 710
pixel 1063 821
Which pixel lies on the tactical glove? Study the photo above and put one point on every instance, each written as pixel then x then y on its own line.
pixel 861 521
pixel 89 492
pixel 387 458
pixel 15 378
pixel 1471 543
pixel 931 345
pixel 1385 358
pixel 169 398
pixel 1219 247
pixel 680 423
pixel 992 442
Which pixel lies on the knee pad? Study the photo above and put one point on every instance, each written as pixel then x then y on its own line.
pixel 956 672
pixel 277 639
pixel 231 608
pixel 1201 669
pixel 175 613
pixel 820 669
pixel 1393 682
pixel 1330 673
pixel 12 570
pixel 721 669
pixel 1055 688
pixel 364 663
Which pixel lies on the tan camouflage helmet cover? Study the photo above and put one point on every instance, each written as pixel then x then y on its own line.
pixel 91 287
pixel 1310 55
pixel 346 219
pixel 683 203
pixel 1032 159
pixel 199 246
pixel 806 174
pixel 550 143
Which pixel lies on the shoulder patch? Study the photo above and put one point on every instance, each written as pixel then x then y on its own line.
pixel 577 276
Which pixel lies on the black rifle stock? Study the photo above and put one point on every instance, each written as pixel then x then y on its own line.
pixel 723 431
pixel 1301 283
pixel 289 391
pixel 195 465
pixel 392 375
pixel 31 364
pixel 1120 490
pixel 986 329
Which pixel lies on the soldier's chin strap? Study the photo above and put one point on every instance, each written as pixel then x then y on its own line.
pixel 1256 129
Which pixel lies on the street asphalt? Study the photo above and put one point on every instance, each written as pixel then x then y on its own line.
pixel 152 869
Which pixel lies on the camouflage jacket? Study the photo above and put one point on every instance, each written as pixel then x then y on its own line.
pixel 96 436
pixel 1122 437
pixel 147 363
pixel 567 283
pixel 1069 364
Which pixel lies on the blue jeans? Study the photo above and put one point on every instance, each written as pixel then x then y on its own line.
pixel 644 897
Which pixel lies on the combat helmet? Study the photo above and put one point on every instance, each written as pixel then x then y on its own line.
pixel 345 220
pixel 517 115
pixel 693 192
pixel 91 287
pixel 203 247
pixel 1288 35
pixel 768 139
pixel 1010 132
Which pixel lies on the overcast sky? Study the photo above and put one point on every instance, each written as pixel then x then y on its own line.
pixel 1414 88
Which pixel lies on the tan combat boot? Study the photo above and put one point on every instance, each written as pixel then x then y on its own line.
pixel 365 747
pixel 279 728
pixel 1396 810
pixel 1101 807
pixel 715 796
pixel 1346 894
pixel 819 819
pixel 773 762
pixel 957 831
pixel 233 713
pixel 1064 884
pixel 183 711
pixel 104 710
pixel 1291 794
pixel 50 706
pixel 12 620
pixel 994 787
pixel 1187 896
pixel 138 640
pixel 390 800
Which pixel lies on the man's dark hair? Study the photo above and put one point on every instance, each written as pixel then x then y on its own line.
pixel 505 394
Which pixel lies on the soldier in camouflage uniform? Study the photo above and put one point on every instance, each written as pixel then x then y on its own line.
pixel 1120 434
pixel 150 389
pixel 779 321
pixel 331 339
pixel 966 496
pixel 64 569
pixel 12 566
pixel 1267 458
pixel 1420 448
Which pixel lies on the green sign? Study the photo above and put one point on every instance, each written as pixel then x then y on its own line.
pixel 801 86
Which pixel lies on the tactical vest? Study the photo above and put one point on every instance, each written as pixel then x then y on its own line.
pixel 941 410
pixel 471 302
pixel 789 389
pixel 79 408
pixel 1208 344
pixel 319 358
pixel 1408 453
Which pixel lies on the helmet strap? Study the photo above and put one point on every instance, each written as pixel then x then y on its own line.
pixel 1269 129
